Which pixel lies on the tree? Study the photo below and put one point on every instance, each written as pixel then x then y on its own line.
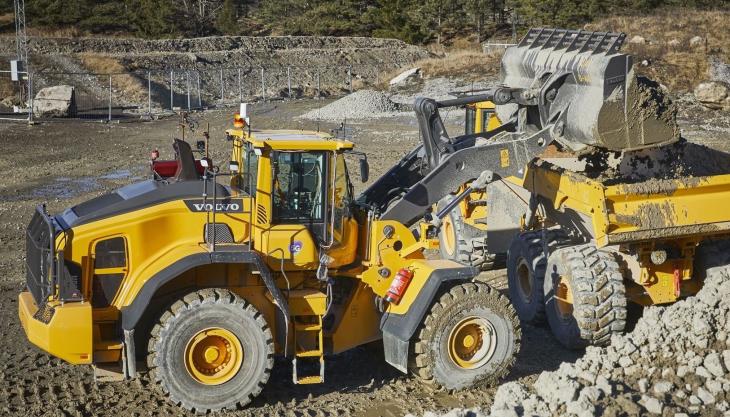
pixel 153 18
pixel 226 22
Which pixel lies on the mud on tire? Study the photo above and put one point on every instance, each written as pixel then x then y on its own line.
pixel 433 361
pixel 468 245
pixel 169 347
pixel 593 279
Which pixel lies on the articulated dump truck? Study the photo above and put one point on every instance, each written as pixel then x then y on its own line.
pixel 203 274
pixel 572 172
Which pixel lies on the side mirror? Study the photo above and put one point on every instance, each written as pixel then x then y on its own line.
pixel 364 170
pixel 233 166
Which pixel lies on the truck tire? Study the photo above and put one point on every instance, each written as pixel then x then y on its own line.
pixel 469 338
pixel 585 297
pixel 211 350
pixel 465 247
pixel 526 262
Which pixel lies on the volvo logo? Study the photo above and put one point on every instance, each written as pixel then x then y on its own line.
pixel 223 206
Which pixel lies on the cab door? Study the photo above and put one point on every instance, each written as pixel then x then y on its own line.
pixel 343 246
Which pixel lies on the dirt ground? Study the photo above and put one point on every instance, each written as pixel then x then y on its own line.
pixel 64 163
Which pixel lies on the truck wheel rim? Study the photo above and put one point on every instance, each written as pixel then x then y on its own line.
pixel 449 236
pixel 524 280
pixel 213 356
pixel 564 299
pixel 472 342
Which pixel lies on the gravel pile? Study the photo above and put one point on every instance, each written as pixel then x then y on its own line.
pixel 362 104
pixel 676 362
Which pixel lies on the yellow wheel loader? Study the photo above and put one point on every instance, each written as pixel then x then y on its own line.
pixel 592 196
pixel 202 275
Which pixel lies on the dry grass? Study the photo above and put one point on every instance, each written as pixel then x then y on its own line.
pixel 7 89
pixel 671 59
pixel 122 80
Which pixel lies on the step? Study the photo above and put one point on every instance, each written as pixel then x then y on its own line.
pixel 309 353
pixel 314 379
pixel 307 327
pixel 307 302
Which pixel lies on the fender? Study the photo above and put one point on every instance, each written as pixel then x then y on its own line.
pixel 132 313
pixel 398 329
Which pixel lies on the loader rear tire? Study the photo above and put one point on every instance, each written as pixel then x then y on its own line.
pixel 469 338
pixel 210 351
pixel 585 297
pixel 526 262
pixel 465 247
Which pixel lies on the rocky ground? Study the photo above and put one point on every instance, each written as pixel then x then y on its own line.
pixel 63 163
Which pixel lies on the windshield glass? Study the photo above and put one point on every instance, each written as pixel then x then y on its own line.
pixel 298 187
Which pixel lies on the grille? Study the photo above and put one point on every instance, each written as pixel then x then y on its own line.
pixel 223 233
pixel 39 257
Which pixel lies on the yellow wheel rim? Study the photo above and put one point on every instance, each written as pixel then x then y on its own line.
pixel 449 236
pixel 213 356
pixel 472 342
pixel 564 298
pixel 524 280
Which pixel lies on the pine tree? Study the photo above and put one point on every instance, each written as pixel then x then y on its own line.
pixel 226 22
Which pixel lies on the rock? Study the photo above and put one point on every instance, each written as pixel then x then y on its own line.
pixel 726 358
pixel 556 390
pixel 703 372
pixel 674 43
pixel 56 101
pixel 663 387
pixel 405 77
pixel 645 63
pixel 682 370
pixel 640 40
pixel 719 71
pixel 714 364
pixel 713 94
pixel 705 396
pixel 694 400
pixel 652 405
pixel 643 385
pixel 696 41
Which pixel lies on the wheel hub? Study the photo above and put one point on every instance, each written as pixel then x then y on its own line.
pixel 524 280
pixel 213 356
pixel 472 342
pixel 449 235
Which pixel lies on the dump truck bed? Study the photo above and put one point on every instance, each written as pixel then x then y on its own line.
pixel 619 213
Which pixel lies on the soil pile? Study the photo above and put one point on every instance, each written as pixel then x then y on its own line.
pixel 363 104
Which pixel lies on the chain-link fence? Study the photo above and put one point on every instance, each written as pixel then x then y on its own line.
pixel 130 95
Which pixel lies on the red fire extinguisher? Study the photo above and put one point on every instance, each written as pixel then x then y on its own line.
pixel 399 285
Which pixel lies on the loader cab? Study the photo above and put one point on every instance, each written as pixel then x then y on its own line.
pixel 480 117
pixel 302 195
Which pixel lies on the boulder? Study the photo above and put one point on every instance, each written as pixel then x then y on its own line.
pixel 640 40
pixel 713 94
pixel 405 77
pixel 56 101
pixel 674 43
pixel 696 41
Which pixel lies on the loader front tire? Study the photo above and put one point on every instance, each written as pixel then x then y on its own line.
pixel 210 351
pixel 469 338
pixel 585 297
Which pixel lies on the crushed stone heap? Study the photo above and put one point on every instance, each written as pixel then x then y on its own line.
pixel 362 104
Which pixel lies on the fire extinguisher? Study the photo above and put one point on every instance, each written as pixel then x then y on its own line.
pixel 399 285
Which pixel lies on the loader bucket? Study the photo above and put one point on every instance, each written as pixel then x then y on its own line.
pixel 588 91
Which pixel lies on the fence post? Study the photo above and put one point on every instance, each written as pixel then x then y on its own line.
pixel 349 77
pixel 263 85
pixel 318 86
pixel 187 86
pixel 172 90
pixel 200 101
pixel 110 97
pixel 222 89
pixel 288 80
pixel 30 98
pixel 240 89
pixel 149 94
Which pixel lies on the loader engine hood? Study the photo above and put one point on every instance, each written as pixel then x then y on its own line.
pixel 588 91
pixel 135 197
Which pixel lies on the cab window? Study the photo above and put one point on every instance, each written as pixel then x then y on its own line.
pixel 298 189
pixel 470 120
pixel 342 197
pixel 249 171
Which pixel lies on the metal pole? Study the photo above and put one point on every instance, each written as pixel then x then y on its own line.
pixel 349 77
pixel 288 79
pixel 172 90
pixel 200 101
pixel 222 86
pixel 263 85
pixel 110 97
pixel 187 86
pixel 240 90
pixel 30 98
pixel 149 93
